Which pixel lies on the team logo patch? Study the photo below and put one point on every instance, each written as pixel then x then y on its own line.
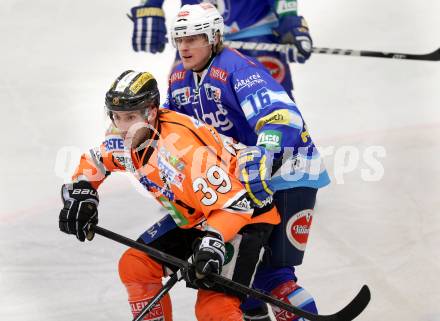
pixel 275 67
pixel 298 227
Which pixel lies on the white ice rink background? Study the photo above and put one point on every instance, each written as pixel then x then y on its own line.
pixel 57 60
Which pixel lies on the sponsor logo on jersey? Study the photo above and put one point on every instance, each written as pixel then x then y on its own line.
pixel 156 314
pixel 126 162
pixel 156 189
pixel 270 139
pixel 242 204
pixel 274 66
pixel 182 96
pixel 219 74
pixel 218 119
pixel 298 227
pixel 168 170
pixel 278 117
pixel 177 76
pixel 213 93
pixel 286 7
pixel 173 160
pixel 114 144
pixel 248 82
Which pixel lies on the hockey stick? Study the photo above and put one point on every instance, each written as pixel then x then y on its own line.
pixel 432 56
pixel 159 295
pixel 349 312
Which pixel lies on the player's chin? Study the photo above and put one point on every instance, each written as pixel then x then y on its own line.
pixel 188 63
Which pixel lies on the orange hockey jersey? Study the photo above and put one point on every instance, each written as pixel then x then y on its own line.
pixel 188 170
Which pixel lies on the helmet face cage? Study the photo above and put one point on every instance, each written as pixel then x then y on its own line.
pixel 195 20
pixel 132 91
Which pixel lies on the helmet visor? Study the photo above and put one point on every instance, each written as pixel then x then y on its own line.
pixel 191 42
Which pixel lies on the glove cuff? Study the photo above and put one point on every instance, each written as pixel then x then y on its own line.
pixel 142 11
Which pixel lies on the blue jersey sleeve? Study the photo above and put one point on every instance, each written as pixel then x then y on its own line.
pixel 269 110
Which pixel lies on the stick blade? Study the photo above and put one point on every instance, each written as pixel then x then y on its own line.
pixel 356 306
pixel 434 56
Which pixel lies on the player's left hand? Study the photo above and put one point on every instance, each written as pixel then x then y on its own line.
pixel 80 212
pixel 149 29
pixel 255 168
pixel 294 30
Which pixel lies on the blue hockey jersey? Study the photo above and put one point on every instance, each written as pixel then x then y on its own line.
pixel 240 98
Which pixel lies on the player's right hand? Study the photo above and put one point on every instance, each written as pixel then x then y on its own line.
pixel 209 255
pixel 149 29
pixel 80 209
pixel 294 30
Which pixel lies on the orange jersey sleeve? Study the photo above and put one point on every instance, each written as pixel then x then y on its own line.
pixel 96 165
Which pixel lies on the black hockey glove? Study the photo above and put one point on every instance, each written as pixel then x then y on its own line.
pixel 209 254
pixel 208 257
pixel 80 209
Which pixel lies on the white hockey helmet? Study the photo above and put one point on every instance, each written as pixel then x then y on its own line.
pixel 196 19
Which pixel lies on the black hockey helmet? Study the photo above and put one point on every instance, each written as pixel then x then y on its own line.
pixel 131 91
